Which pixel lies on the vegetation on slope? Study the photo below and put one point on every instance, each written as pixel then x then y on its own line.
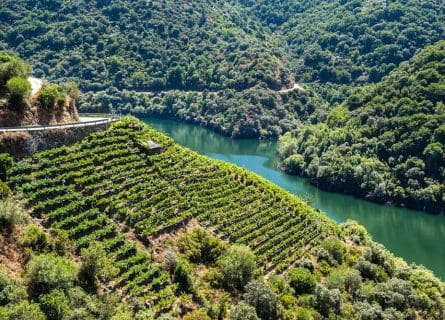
pixel 386 143
pixel 115 50
pixel 134 202
pixel 50 104
pixel 143 45
pixel 351 42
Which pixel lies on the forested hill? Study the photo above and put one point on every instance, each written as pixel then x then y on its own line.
pixel 354 41
pixel 242 51
pixel 386 142
pixel 143 45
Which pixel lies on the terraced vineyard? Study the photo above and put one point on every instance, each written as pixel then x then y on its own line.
pixel 110 186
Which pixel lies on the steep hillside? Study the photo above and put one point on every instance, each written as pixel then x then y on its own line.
pixel 386 143
pixel 357 41
pixel 138 195
pixel 21 104
pixel 115 50
pixel 240 50
pixel 143 45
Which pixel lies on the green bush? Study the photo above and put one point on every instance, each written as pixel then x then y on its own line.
pixel 344 280
pixel 197 315
pixel 47 272
pixel 35 238
pixel 11 215
pixel 336 249
pixel 199 247
pixel 6 162
pixel 243 311
pixel 182 277
pixel 5 191
pixel 72 89
pixel 26 310
pixel 236 267
pixel 19 90
pixel 328 301
pixel 11 291
pixel 55 305
pixel 301 280
pixel 262 298
pixel 50 96
pixel 12 67
pixel 96 266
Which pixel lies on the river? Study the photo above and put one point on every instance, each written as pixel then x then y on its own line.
pixel 415 236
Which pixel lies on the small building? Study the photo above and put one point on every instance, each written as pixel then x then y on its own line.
pixel 152 147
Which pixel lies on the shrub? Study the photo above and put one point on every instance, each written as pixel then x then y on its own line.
pixel 342 279
pixel 200 247
pixel 12 67
pixel 11 215
pixel 197 315
pixel 262 298
pixel 55 305
pixel 48 272
pixel 50 96
pixel 182 277
pixel 6 163
pixel 5 191
pixel 336 249
pixel 72 89
pixel 243 311
pixel 327 301
pixel 301 280
pixel 19 90
pixel 236 267
pixel 96 266
pixel 26 310
pixel 35 238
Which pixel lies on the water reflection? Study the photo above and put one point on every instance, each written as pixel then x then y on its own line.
pixel 415 236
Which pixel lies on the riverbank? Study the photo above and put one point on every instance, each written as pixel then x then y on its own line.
pixel 416 236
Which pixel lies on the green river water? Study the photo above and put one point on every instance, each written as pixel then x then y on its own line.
pixel 416 236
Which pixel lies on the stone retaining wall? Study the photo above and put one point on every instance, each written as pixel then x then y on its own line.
pixel 26 144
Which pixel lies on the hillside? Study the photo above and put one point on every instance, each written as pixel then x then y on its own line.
pixel 242 51
pixel 144 200
pixel 386 142
pixel 351 42
pixel 21 104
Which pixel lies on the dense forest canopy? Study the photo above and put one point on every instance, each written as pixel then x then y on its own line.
pixel 354 41
pixel 386 142
pixel 115 49
pixel 143 45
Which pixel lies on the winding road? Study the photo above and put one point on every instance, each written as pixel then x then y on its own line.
pixel 83 122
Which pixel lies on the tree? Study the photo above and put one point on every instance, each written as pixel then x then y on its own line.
pixel 236 267
pixel 6 162
pixel 200 247
pixel 96 266
pixel 55 305
pixel 19 90
pixel 243 311
pixel 47 272
pixel 301 280
pixel 262 298
pixel 176 77
pixel 327 300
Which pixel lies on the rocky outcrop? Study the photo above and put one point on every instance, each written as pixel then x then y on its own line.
pixel 30 114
